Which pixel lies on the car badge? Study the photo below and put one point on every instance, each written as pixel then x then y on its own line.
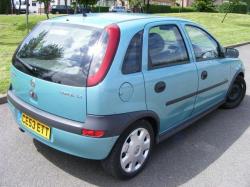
pixel 33 83
pixel 33 95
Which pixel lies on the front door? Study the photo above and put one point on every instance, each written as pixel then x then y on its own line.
pixel 213 70
pixel 170 77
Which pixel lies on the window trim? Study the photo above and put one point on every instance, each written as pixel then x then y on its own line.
pixel 152 67
pixel 140 53
pixel 219 48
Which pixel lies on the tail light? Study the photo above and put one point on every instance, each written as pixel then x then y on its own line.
pixel 93 133
pixel 104 52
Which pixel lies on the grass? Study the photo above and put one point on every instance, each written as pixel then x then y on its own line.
pixel 234 30
pixel 12 32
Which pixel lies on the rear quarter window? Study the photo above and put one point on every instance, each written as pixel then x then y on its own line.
pixel 133 56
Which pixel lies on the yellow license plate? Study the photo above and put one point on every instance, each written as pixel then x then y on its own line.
pixel 36 126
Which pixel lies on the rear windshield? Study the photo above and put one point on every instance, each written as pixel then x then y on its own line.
pixel 59 53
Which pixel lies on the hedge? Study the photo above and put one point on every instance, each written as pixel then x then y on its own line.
pixel 168 9
pixel 175 9
pixel 5 6
pixel 238 8
pixel 97 8
pixel 158 9
pixel 152 9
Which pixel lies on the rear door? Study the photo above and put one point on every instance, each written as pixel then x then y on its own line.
pixel 213 70
pixel 50 68
pixel 170 77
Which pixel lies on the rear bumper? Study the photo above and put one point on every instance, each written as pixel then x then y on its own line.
pixel 68 142
pixel 66 134
pixel 113 125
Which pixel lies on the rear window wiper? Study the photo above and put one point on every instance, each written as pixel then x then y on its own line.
pixel 28 67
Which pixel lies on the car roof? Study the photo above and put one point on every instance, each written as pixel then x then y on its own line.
pixel 101 20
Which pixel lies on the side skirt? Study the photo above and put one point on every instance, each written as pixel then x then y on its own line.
pixel 186 123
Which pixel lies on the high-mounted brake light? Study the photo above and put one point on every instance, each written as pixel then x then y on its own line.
pixel 105 50
pixel 93 133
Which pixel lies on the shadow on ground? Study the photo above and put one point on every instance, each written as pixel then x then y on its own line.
pixel 176 160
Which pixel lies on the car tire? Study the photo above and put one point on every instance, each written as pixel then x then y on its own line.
pixel 236 93
pixel 131 152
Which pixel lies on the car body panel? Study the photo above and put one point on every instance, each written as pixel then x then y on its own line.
pixel 71 143
pixel 112 85
pixel 214 88
pixel 176 78
pixel 61 100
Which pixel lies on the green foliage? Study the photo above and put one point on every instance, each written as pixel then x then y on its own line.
pixel 46 6
pixel 204 5
pixel 158 9
pixel 5 6
pixel 248 4
pixel 12 32
pixel 100 8
pixel 136 3
pixel 87 2
pixel 175 9
pixel 230 7
pixel 168 9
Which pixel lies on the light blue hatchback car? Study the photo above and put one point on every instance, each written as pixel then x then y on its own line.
pixel 111 86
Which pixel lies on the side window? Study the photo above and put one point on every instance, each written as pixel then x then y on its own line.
pixel 132 60
pixel 205 47
pixel 166 47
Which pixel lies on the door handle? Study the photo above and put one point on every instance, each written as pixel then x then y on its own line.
pixel 204 75
pixel 160 86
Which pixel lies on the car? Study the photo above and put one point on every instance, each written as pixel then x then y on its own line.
pixel 118 9
pixel 110 87
pixel 61 9
pixel 22 6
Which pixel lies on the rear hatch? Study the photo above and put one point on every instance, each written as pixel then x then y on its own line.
pixel 51 66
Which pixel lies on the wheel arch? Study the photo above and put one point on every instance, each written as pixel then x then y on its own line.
pixel 149 116
pixel 134 117
pixel 240 72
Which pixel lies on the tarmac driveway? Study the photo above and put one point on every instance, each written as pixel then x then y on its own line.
pixel 215 151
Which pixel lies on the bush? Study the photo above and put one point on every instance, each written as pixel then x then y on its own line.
pixel 158 9
pixel 179 9
pixel 5 6
pixel 101 8
pixel 204 6
pixel 240 8
pixel 168 9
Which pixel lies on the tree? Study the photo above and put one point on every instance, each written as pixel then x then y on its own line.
pixel 75 6
pixel 136 5
pixel 147 9
pixel 13 8
pixel 248 4
pixel 230 3
pixel 19 8
pixel 87 2
pixel 5 6
pixel 66 5
pixel 46 6
pixel 204 5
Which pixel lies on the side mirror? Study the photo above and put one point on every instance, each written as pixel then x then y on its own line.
pixel 231 53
